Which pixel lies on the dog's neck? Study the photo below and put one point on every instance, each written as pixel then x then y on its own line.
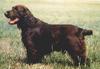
pixel 26 21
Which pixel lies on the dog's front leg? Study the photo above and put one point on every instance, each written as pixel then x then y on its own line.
pixel 32 55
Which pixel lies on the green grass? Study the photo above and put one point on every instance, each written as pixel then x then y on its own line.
pixel 82 14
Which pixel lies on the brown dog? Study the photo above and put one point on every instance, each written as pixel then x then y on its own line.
pixel 40 38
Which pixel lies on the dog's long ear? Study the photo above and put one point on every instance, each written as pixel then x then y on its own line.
pixel 27 11
pixel 22 10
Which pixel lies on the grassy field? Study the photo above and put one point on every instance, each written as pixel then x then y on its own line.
pixel 85 14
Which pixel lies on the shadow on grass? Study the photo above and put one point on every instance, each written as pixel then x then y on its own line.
pixel 55 60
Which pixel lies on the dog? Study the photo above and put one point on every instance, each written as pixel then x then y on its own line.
pixel 40 38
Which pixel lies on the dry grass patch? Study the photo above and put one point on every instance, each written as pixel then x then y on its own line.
pixel 5 45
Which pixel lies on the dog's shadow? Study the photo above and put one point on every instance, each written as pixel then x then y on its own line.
pixel 58 63
pixel 46 61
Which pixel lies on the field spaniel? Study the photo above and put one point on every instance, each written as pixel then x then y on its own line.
pixel 40 38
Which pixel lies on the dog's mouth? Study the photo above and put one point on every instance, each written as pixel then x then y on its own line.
pixel 12 19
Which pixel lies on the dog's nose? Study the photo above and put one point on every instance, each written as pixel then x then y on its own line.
pixel 6 14
pixel 7 11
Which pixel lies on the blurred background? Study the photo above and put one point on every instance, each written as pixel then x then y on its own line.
pixel 82 13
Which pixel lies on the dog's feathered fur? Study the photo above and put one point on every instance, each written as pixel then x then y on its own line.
pixel 40 38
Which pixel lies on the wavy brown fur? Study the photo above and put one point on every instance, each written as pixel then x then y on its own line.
pixel 40 38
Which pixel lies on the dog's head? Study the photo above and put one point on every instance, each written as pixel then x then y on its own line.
pixel 16 13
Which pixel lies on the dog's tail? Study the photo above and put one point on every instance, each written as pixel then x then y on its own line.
pixel 87 32
pixel 84 32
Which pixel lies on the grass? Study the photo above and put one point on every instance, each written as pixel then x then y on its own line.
pixel 83 14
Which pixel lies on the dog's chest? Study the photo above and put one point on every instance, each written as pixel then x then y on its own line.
pixel 37 31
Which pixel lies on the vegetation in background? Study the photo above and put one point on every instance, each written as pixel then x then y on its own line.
pixel 83 14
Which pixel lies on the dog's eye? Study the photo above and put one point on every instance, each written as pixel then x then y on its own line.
pixel 14 8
